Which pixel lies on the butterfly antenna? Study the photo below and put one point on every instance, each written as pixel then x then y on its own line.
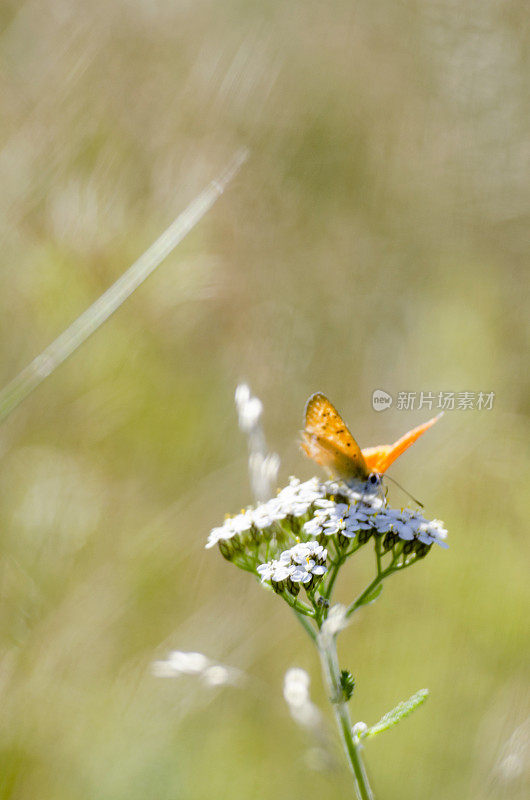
pixel 389 478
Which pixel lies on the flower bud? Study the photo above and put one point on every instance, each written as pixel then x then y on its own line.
pixel 390 540
pixel 226 549
pixel 364 535
pixel 422 549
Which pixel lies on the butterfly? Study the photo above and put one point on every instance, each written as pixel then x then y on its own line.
pixel 327 440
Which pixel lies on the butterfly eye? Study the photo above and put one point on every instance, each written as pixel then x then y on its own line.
pixel 373 478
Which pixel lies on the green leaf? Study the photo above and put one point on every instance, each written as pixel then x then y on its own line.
pixel 347 684
pixel 398 713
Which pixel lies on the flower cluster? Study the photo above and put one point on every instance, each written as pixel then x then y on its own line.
pixel 318 514
pixel 301 565
pixel 347 522
pixel 292 502
pixel 411 527
pixel 359 521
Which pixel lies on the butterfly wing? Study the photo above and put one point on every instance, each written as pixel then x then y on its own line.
pixel 327 440
pixel 378 459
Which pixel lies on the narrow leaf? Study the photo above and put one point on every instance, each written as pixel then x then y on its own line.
pixel 347 684
pixel 90 320
pixel 398 713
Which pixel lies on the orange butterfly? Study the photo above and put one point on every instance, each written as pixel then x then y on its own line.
pixel 327 440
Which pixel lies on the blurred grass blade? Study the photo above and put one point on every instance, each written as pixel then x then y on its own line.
pixel 90 320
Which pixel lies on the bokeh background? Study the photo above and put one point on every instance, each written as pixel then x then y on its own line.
pixel 376 238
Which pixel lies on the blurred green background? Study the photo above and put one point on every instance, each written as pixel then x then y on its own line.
pixel 376 238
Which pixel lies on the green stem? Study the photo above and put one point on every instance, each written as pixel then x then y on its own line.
pixel 304 622
pixel 331 672
pixel 326 594
pixel 297 605
pixel 361 600
pixel 377 548
pixel 392 567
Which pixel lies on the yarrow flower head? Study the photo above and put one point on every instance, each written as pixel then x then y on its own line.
pixel 291 505
pixel 301 565
pixel 346 521
pixel 298 538
pixel 411 527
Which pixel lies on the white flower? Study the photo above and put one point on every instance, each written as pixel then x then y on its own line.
pixel 222 533
pixel 241 522
pixel 325 504
pixel 301 564
pixel 404 529
pixel 261 517
pixel 329 518
pixel 308 557
pixel 333 520
pixel 359 518
pixel 383 522
pixel 274 571
pixel 304 551
pixel 433 531
pixel 282 572
pixel 231 527
pixel 409 525
pixel 303 576
pixel 313 527
pixel 297 498
pixel 403 523
pixel 266 571
pixel 306 570
pixel 267 514
pixel 215 535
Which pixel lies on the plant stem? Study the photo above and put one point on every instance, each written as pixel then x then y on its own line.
pixel 392 567
pixel 367 592
pixel 334 572
pixel 298 606
pixel 330 668
pixel 304 622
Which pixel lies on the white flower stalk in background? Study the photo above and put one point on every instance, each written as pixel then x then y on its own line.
pixel 513 764
pixel 335 621
pixel 212 674
pixel 296 693
pixel 263 466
